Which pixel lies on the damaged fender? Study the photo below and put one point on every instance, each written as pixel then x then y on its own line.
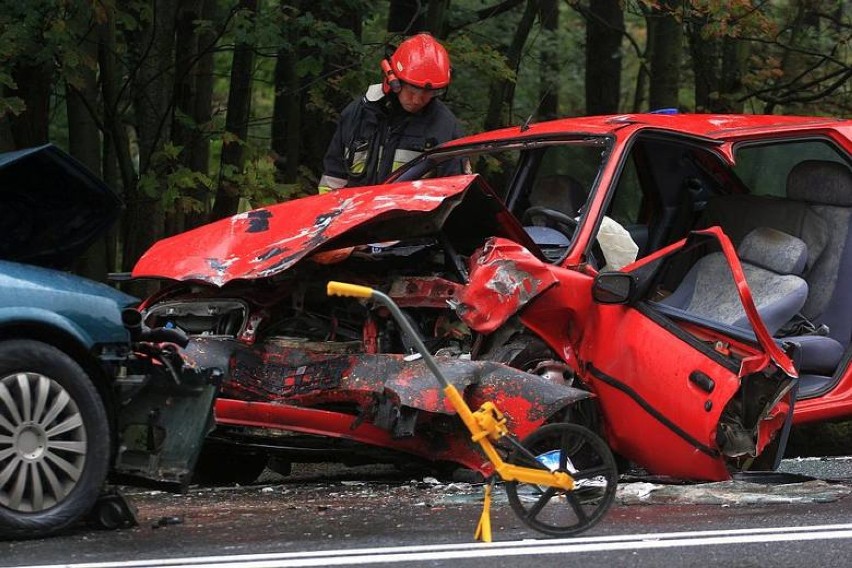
pixel 504 278
pixel 378 399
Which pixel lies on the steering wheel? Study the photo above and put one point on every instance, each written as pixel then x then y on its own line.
pixel 560 221
pixel 558 217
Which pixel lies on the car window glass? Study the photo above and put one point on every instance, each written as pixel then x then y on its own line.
pixel 564 178
pixel 627 200
pixel 764 168
pixel 498 169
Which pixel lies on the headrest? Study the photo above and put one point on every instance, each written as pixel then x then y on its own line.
pixel 774 250
pixel 820 181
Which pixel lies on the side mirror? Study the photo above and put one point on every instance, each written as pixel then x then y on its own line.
pixel 613 288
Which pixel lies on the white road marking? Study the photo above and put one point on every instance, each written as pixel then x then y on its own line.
pixel 388 555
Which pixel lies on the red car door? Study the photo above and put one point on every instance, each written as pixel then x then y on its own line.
pixel 680 399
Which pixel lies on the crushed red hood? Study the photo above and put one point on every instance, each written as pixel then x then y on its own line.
pixel 267 241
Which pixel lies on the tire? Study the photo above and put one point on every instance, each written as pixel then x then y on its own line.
pixel 54 440
pixel 522 352
pixel 226 465
pixel 530 354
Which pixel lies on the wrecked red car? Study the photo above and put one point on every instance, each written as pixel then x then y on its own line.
pixel 685 275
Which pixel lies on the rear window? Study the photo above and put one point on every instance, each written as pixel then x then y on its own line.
pixel 764 168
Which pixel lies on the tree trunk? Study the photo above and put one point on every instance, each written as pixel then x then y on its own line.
pixel 643 75
pixel 300 132
pixel 7 141
pixel 236 124
pixel 114 131
pixel 112 179
pixel 734 56
pixel 202 114
pixel 153 89
pixel 404 18
pixel 705 63
pixel 117 161
pixel 286 123
pixel 436 18
pixel 665 57
pixel 549 64
pixel 604 32
pixel 717 63
pixel 30 128
pixel 502 93
pixel 287 108
pixel 183 129
pixel 84 143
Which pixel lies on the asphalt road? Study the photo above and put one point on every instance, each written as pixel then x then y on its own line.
pixel 383 518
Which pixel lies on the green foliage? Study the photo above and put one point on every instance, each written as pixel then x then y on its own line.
pixel 729 18
pixel 256 182
pixel 168 180
pixel 9 105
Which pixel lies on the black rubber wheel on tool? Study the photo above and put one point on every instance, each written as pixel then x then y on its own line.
pixel 582 454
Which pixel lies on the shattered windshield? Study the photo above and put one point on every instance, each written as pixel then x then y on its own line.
pixel 556 173
pixel 545 183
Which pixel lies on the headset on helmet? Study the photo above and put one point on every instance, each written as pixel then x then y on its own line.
pixel 420 61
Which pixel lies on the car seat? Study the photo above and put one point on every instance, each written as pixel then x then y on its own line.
pixel 826 187
pixel 772 261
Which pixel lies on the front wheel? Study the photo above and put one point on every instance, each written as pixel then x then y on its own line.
pixel 531 355
pixel 574 450
pixel 54 440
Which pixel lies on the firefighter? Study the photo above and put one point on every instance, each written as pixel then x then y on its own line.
pixel 394 121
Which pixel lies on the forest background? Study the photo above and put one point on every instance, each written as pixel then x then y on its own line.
pixel 194 109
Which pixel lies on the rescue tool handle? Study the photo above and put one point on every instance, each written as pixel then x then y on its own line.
pixel 352 290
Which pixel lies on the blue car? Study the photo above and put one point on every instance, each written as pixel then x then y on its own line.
pixel 87 393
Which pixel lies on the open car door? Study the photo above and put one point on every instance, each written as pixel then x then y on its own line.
pixel 681 395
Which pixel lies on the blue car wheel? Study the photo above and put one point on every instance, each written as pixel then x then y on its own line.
pixel 54 440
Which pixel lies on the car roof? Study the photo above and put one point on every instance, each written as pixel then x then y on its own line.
pixel 713 126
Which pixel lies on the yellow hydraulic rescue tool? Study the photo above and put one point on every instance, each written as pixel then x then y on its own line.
pixel 550 479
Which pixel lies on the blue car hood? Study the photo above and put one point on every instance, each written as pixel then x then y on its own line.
pixel 35 281
pixel 51 207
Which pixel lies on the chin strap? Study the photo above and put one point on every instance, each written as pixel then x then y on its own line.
pixel 483 529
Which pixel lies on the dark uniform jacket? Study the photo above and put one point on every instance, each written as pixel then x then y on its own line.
pixel 375 135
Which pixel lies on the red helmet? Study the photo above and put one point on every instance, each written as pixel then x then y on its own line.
pixel 420 61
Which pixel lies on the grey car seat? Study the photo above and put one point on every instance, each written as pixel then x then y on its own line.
pixel 817 209
pixel 772 261
pixel 827 189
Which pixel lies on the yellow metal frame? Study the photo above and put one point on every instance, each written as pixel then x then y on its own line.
pixel 486 425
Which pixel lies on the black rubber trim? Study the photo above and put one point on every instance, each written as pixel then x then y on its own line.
pixel 616 384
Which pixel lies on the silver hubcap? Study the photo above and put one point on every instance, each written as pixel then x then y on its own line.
pixel 42 442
